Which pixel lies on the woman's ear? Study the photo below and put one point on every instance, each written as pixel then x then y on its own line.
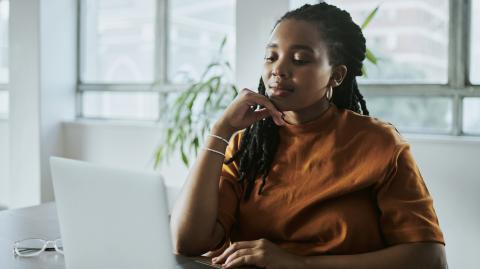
pixel 338 75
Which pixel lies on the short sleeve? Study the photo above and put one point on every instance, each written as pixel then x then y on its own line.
pixel 407 213
pixel 230 191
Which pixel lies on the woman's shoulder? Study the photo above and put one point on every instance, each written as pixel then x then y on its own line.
pixel 370 129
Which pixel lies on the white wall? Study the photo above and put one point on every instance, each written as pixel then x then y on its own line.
pixel 450 168
pixel 4 164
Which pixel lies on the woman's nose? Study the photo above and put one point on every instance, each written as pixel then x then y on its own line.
pixel 280 69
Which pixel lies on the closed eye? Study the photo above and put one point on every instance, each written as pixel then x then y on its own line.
pixel 300 62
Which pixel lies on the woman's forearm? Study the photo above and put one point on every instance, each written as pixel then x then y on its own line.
pixel 415 255
pixel 194 215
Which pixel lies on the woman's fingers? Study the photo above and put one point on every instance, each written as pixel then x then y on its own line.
pixel 261 114
pixel 242 112
pixel 262 100
pixel 232 248
pixel 239 253
pixel 243 261
pixel 253 99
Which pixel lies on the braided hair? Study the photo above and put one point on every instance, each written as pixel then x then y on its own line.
pixel 346 45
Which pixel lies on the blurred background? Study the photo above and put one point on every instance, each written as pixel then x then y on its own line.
pixel 93 80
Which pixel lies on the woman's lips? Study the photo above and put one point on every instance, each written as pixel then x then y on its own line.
pixel 280 92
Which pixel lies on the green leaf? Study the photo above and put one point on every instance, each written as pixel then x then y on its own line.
pixel 184 156
pixel 369 17
pixel 192 100
pixel 158 156
pixel 209 67
pixel 169 135
pixel 197 145
pixel 208 100
pixel 222 45
pixel 235 91
pixel 195 142
pixel 219 100
pixel 364 71
pixel 371 57
pixel 227 63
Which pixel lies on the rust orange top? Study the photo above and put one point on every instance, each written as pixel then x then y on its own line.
pixel 341 184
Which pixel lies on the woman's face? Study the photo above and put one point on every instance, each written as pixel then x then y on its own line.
pixel 296 71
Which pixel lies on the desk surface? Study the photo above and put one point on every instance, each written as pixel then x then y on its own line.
pixel 38 222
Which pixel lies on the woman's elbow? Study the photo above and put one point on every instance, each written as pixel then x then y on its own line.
pixel 440 257
pixel 433 256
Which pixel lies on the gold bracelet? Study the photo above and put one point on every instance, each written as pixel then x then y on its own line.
pixel 219 137
pixel 215 151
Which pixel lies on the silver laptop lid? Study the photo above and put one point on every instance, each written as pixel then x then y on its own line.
pixel 111 218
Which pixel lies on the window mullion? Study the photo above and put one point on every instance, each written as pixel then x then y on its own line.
pixel 160 72
pixel 80 48
pixel 459 20
pixel 161 58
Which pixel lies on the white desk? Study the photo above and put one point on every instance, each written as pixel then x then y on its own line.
pixel 38 222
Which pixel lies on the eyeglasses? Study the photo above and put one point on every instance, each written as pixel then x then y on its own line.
pixel 34 246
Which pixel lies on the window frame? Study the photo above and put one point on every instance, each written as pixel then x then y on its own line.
pixel 457 88
pixel 4 88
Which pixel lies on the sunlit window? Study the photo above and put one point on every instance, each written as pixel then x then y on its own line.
pixel 117 41
pixel 196 30
pixel 4 72
pixel 119 46
pixel 4 14
pixel 471 112
pixel 409 38
pixel 475 44
pixel 413 114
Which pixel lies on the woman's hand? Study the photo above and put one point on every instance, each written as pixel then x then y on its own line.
pixel 260 253
pixel 239 114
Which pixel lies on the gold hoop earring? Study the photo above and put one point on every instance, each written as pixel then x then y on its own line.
pixel 329 93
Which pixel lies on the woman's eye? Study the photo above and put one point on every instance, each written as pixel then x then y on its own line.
pixel 268 59
pixel 299 61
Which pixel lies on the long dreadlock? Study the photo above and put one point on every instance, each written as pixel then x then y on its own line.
pixel 346 45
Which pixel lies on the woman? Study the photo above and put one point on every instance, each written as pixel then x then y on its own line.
pixel 313 181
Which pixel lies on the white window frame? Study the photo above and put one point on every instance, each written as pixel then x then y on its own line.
pixel 457 88
pixel 3 88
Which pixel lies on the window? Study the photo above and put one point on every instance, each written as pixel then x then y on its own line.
pixel 410 39
pixel 136 55
pixel 4 14
pixel 414 114
pixel 3 104
pixel 471 110
pixel 475 43
pixel 293 4
pixel 196 30
pixel 118 41
pixel 420 80
pixel 127 46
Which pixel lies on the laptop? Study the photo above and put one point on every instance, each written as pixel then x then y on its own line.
pixel 114 218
